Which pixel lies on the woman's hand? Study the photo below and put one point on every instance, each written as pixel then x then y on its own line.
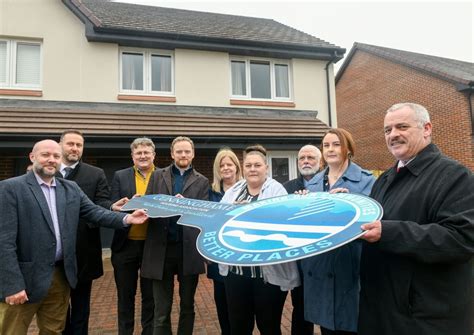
pixel 339 190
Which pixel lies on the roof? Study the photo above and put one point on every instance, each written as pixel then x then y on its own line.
pixel 452 70
pixel 22 118
pixel 114 20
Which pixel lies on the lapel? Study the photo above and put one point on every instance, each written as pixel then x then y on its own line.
pixel 61 205
pixel 39 195
pixel 167 178
pixel 131 182
pixel 192 177
pixel 74 172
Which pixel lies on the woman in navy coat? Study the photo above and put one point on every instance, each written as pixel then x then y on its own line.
pixel 331 280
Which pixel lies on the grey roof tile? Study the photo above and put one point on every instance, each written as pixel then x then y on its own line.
pixel 195 24
pixel 449 69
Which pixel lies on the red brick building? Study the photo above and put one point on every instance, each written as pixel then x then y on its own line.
pixel 373 78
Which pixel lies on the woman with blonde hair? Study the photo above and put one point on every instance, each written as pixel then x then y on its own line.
pixel 227 172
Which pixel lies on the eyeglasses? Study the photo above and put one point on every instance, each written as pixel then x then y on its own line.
pixel 145 153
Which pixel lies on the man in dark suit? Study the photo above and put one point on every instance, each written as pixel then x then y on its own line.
pixel 309 158
pixel 40 215
pixel 127 245
pixel 170 249
pixel 93 183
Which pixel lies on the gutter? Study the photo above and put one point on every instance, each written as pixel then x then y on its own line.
pixel 469 87
pixel 335 57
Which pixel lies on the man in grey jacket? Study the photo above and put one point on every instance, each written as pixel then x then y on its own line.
pixel 40 215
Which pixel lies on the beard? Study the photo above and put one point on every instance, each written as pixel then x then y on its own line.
pixel 308 171
pixel 71 158
pixel 183 163
pixel 42 172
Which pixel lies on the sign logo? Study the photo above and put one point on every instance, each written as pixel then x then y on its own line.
pixel 270 231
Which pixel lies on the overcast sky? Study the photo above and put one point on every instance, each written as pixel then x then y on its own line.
pixel 438 28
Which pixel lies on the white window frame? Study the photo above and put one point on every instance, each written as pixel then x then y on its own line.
pixel 147 55
pixel 272 62
pixel 292 157
pixel 11 74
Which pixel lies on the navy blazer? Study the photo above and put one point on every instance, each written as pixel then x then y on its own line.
pixel 123 185
pixel 27 240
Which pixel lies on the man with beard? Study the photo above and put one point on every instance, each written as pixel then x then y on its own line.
pixel 309 158
pixel 93 183
pixel 127 245
pixel 40 216
pixel 170 249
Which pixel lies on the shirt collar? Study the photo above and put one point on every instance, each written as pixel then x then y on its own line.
pixel 181 171
pixel 137 170
pixel 42 182
pixel 63 166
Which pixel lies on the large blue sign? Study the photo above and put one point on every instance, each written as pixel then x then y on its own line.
pixel 269 231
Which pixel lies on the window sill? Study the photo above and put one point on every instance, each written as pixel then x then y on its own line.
pixel 262 103
pixel 146 98
pixel 25 93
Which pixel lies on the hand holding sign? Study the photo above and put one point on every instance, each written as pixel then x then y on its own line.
pixel 269 231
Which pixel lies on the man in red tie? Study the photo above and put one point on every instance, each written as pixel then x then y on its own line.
pixel 416 267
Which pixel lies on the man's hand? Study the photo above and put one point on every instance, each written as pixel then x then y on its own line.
pixel 117 206
pixel 302 192
pixel 17 298
pixel 373 231
pixel 137 217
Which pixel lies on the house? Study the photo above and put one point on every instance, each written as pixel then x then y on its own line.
pixel 373 78
pixel 117 71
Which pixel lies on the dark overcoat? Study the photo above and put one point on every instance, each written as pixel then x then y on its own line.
pixel 195 186
pixel 417 278
pixel 93 183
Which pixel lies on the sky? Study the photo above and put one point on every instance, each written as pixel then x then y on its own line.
pixel 437 28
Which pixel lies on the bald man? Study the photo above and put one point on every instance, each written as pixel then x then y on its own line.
pixel 39 219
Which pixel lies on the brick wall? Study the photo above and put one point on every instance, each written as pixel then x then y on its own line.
pixel 6 167
pixel 370 85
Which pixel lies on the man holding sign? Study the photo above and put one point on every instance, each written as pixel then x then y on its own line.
pixel 170 249
pixel 416 268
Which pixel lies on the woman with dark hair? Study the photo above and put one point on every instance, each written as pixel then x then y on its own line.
pixel 256 293
pixel 227 172
pixel 331 280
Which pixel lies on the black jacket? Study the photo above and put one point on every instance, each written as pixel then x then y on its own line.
pixel 294 185
pixel 93 183
pixel 123 185
pixel 417 278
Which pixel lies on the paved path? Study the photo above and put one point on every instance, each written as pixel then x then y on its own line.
pixel 103 319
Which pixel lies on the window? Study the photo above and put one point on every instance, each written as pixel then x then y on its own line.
pixel 20 64
pixel 260 79
pixel 282 165
pixel 146 72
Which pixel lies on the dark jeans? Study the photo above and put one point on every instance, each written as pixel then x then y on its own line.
pixel 77 320
pixel 127 262
pixel 250 299
pixel 221 306
pixel 163 294
pixel 299 326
